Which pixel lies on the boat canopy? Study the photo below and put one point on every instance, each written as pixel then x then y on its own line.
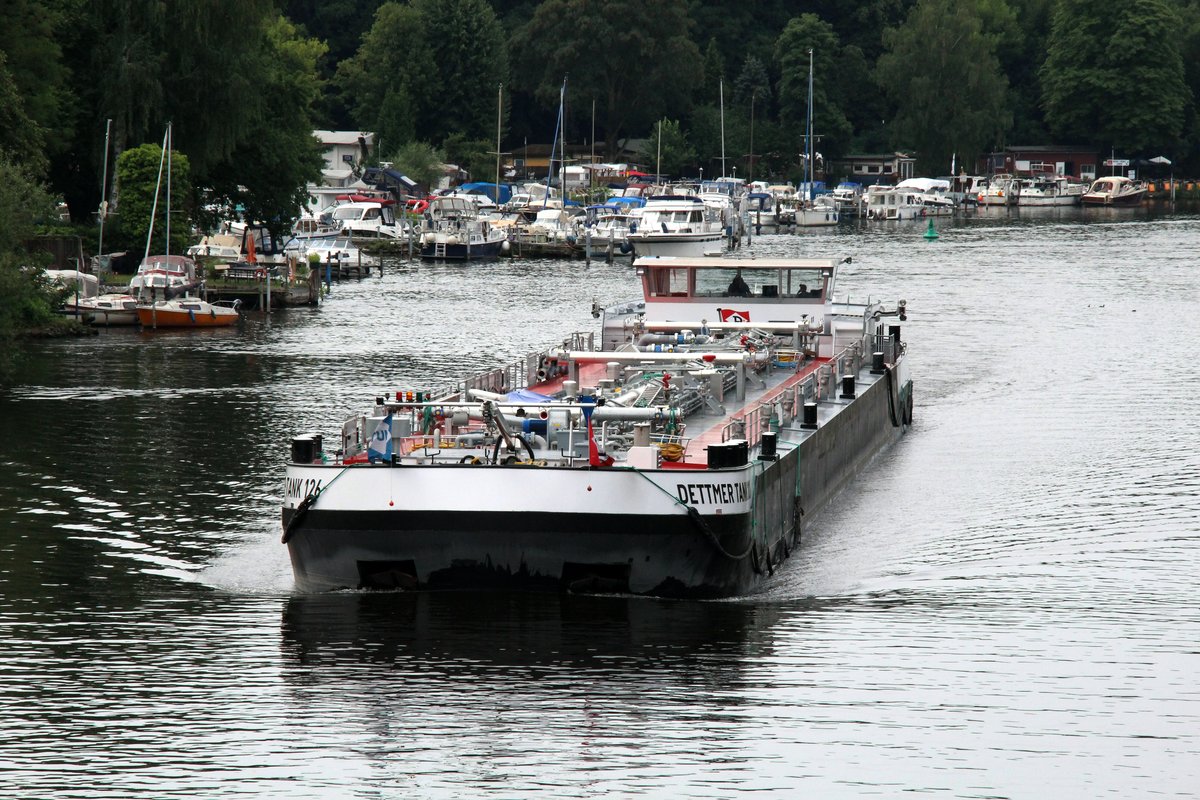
pixel 626 202
pixel 489 189
pixel 924 184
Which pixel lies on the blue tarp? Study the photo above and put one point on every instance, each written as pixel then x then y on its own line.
pixel 527 396
pixel 489 189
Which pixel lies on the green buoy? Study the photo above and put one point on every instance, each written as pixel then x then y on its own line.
pixel 930 233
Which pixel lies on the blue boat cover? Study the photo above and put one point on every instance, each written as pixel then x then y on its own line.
pixel 489 189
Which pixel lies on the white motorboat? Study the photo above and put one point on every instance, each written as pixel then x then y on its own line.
pixel 1050 191
pixel 913 198
pixel 365 216
pixel 678 225
pixel 999 190
pixel 336 251
pixel 610 225
pixel 109 310
pixel 165 277
pixel 1115 190
pixel 454 231
pixel 849 198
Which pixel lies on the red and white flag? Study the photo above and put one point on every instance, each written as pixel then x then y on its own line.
pixel 730 315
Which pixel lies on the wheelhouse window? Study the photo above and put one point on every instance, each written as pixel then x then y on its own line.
pixel 764 283
pixel 667 282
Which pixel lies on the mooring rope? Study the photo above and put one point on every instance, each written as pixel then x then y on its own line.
pixel 305 504
pixel 704 527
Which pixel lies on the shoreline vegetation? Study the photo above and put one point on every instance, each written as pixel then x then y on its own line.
pixel 674 84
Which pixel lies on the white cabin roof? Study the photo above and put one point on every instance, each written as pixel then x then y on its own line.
pixel 660 262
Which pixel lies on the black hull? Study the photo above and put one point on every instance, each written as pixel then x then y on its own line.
pixel 667 556
pixel 460 252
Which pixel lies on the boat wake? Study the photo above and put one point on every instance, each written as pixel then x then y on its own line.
pixel 256 566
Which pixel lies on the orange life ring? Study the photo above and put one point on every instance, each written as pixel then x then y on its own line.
pixel 260 274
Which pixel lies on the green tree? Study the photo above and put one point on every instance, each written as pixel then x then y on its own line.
pixel 940 70
pixel 471 53
pixel 1114 74
pixel 1021 48
pixel 635 58
pixel 25 300
pixel 20 136
pixel 138 171
pixel 216 75
pixel 752 84
pixel 33 51
pixel 266 175
pixel 714 73
pixel 384 85
pixel 419 161
pixel 476 156
pixel 207 65
pixel 341 25
pixel 426 70
pixel 678 155
pixel 1189 155
pixel 802 34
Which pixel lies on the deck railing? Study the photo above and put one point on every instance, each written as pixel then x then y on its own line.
pixel 524 371
pixel 821 385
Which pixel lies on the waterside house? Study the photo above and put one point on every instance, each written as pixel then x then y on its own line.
pixel 874 168
pixel 344 154
pixel 1070 160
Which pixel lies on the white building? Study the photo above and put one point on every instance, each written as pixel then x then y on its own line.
pixel 343 156
pixel 344 150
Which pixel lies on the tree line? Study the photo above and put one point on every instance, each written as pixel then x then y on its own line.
pixel 244 83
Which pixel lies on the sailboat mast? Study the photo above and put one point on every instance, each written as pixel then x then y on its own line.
pixel 104 187
pixel 499 116
pixel 562 140
pixel 157 186
pixel 554 144
pixel 809 172
pixel 658 161
pixel 721 87
pixel 170 144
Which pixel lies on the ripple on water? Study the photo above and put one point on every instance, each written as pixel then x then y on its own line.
pixel 1002 605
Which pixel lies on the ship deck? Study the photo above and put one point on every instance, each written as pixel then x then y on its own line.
pixel 705 428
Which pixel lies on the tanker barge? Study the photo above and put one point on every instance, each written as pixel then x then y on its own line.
pixel 675 456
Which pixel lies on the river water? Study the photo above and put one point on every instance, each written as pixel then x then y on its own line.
pixel 1004 605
